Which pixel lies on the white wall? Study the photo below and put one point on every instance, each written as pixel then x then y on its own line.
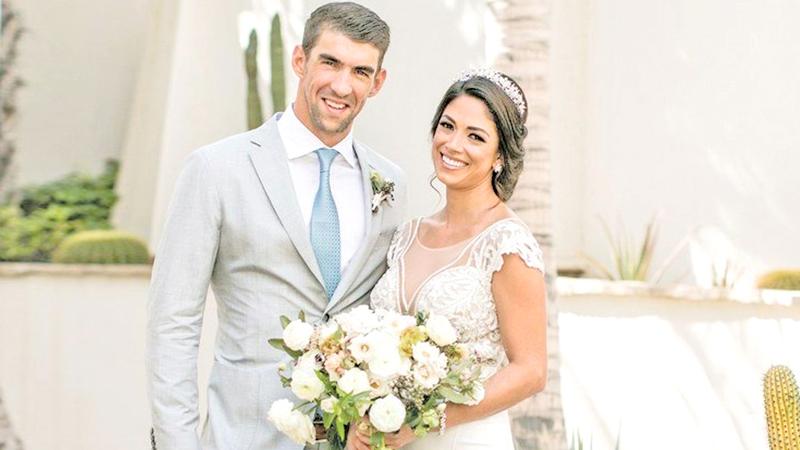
pixel 688 108
pixel 79 60
pixel 72 365
pixel 670 370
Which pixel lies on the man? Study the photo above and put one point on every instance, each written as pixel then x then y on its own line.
pixel 279 219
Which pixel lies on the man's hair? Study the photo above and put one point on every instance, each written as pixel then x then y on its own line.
pixel 351 19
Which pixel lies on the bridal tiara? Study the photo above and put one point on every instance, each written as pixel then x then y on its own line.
pixel 503 82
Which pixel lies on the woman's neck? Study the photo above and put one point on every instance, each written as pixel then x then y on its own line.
pixel 467 208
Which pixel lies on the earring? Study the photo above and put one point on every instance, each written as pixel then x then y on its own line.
pixel 498 168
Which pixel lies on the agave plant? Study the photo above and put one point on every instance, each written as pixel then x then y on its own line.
pixel 632 261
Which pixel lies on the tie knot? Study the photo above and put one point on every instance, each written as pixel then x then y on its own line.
pixel 326 156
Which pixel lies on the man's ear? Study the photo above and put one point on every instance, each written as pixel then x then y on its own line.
pixel 299 61
pixel 380 78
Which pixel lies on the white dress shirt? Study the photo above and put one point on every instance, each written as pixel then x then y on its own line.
pixel 346 181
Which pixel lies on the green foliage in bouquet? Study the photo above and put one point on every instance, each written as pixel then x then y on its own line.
pixel 781 279
pixel 44 215
pixel 782 405
pixel 102 247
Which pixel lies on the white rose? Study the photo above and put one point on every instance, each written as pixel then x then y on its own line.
pixel 361 347
pixel 425 375
pixel 328 404
pixel 354 381
pixel 387 414
pixel 297 334
pixel 440 330
pixel 387 363
pixel 379 387
pixel 423 352
pixel 328 330
pixel 359 320
pixel 397 323
pixel 292 423
pixel 308 360
pixel 305 384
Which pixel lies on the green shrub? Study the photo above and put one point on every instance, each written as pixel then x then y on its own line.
pixel 102 247
pixel 781 279
pixel 32 228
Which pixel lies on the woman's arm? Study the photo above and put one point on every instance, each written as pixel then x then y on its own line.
pixel 519 293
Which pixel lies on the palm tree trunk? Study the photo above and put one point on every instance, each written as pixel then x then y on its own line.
pixel 538 422
pixel 8 441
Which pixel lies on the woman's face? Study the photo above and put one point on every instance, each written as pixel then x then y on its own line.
pixel 465 144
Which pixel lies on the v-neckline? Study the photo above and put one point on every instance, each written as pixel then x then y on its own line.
pixel 405 306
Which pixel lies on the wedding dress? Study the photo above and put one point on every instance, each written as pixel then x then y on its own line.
pixel 455 281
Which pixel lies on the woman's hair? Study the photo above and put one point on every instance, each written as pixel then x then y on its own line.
pixel 509 122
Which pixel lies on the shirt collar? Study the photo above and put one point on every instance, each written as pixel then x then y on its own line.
pixel 299 141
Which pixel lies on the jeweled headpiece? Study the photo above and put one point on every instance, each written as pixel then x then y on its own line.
pixel 503 82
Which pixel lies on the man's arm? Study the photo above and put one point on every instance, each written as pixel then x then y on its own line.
pixel 181 275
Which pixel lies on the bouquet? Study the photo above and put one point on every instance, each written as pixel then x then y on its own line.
pixel 394 369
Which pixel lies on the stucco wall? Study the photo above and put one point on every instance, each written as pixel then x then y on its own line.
pixel 79 61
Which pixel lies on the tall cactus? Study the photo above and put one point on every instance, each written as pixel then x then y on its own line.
pixel 782 404
pixel 254 114
pixel 10 33
pixel 278 82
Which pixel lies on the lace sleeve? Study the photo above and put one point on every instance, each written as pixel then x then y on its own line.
pixel 399 243
pixel 509 237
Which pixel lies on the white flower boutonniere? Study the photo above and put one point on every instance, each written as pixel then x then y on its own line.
pixel 382 190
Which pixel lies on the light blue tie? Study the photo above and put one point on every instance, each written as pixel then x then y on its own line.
pixel 325 225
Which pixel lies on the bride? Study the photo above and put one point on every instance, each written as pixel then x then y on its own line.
pixel 475 262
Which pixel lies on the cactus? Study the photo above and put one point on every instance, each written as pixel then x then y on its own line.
pixel 10 33
pixel 254 114
pixel 277 82
pixel 781 279
pixel 782 405
pixel 101 247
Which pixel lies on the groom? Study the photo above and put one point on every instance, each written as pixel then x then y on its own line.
pixel 278 220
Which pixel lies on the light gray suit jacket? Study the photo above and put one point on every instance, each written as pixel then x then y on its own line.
pixel 234 222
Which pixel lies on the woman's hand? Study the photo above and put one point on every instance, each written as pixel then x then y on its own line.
pixel 399 439
pixel 358 436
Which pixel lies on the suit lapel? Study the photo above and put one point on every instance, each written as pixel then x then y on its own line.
pixel 373 230
pixel 272 166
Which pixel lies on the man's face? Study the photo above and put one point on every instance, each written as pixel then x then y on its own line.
pixel 336 79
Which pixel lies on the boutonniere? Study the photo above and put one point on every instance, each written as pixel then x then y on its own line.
pixel 382 190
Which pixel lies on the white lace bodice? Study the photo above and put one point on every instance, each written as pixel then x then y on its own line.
pixel 462 289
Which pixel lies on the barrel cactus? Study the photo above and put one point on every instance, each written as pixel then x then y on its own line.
pixel 782 404
pixel 102 247
pixel 781 279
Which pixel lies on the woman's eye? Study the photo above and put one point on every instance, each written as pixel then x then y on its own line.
pixel 446 125
pixel 477 138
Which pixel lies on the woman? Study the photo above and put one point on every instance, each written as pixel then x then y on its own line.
pixel 475 262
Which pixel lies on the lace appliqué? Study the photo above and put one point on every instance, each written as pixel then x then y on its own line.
pixel 463 292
